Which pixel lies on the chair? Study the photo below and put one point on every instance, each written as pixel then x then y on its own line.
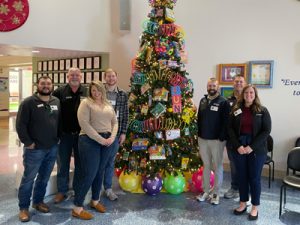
pixel 293 180
pixel 297 143
pixel 269 160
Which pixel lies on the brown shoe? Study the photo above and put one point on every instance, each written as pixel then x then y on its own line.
pixel 84 215
pixel 24 215
pixel 59 197
pixel 42 207
pixel 98 207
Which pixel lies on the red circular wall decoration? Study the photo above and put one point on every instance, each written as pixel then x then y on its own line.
pixel 13 14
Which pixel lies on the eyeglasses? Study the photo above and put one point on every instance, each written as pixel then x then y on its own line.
pixel 48 108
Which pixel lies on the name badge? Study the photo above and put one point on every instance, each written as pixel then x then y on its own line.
pixel 237 112
pixel 68 97
pixel 214 108
pixel 112 102
pixel 40 105
pixel 231 103
pixel 54 107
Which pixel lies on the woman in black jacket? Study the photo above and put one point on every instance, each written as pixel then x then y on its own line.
pixel 249 128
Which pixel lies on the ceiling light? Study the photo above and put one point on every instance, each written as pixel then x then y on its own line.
pixel 35 51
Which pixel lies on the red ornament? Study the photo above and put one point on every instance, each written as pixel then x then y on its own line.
pixel 13 14
pixel 118 171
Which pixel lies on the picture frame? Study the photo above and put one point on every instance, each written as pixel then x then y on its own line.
pixel 103 77
pixel 45 65
pixel 61 78
pixel 68 64
pixel 39 75
pixel 40 66
pixel 96 75
pixel 50 75
pixel 81 63
pixel 75 63
pixel 34 78
pixel 61 64
pixel 226 91
pixel 50 65
pixel 34 89
pixel 55 65
pixel 55 78
pixel 261 73
pixel 88 77
pixel 97 62
pixel 88 63
pixel 83 77
pixel 227 72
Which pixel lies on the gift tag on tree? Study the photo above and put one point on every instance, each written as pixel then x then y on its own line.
pixel 158 134
pixel 172 134
pixel 125 156
pixel 140 144
pixel 184 163
pixel 144 109
pixel 169 16
pixel 145 88
pixel 157 152
pixel 143 163
pixel 158 110
pixel 160 94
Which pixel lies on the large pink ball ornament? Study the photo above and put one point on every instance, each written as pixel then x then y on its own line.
pixel 197 179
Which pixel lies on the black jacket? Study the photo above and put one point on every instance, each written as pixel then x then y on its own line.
pixel 261 130
pixel 37 122
pixel 212 118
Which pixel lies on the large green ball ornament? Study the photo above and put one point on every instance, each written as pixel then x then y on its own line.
pixel 130 182
pixel 174 184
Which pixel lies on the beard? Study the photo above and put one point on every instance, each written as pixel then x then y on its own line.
pixel 44 92
pixel 212 92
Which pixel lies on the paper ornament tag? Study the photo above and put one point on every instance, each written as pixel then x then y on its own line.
pixel 145 88
pixel 184 163
pixel 158 110
pixel 160 94
pixel 169 16
pixel 158 134
pixel 140 144
pixel 172 134
pixel 143 163
pixel 125 156
pixel 157 152
pixel 144 109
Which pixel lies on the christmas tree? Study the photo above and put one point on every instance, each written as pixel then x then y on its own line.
pixel 162 132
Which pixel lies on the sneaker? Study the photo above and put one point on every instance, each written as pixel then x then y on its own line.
pixel 202 197
pixel 215 200
pixel 231 193
pixel 111 195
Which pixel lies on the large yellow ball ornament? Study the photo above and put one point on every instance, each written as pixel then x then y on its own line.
pixel 130 182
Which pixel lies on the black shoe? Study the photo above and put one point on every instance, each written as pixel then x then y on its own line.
pixel 237 213
pixel 250 217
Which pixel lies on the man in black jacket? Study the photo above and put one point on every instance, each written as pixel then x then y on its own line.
pixel 69 96
pixel 37 128
pixel 213 114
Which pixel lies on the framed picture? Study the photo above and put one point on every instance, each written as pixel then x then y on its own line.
pixel 227 72
pixel 51 76
pixel 96 75
pixel 81 63
pixel 226 91
pixel 103 77
pixel 45 65
pixel 97 62
pixel 55 78
pixel 88 63
pixel 34 78
pixel 61 78
pixel 39 66
pixel 55 65
pixel 50 65
pixel 34 88
pixel 261 73
pixel 83 77
pixel 88 77
pixel 68 64
pixel 75 63
pixel 61 64
pixel 39 75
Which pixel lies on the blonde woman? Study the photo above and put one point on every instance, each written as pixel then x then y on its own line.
pixel 99 127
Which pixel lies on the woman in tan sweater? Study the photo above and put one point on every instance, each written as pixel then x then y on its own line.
pixel 99 127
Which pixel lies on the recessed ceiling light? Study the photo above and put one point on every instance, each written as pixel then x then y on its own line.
pixel 35 51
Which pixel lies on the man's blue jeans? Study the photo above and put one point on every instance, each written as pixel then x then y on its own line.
pixel 68 143
pixel 40 163
pixel 94 157
pixel 110 167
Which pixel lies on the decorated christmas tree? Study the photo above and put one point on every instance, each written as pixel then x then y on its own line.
pixel 162 133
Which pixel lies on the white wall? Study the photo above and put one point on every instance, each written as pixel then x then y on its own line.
pixel 217 31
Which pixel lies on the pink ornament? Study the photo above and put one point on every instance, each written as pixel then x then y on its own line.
pixel 197 179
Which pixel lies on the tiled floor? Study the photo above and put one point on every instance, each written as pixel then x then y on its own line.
pixel 139 208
